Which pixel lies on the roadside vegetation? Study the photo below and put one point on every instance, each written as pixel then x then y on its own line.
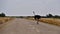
pixel 4 18
pixel 50 19
pixel 53 21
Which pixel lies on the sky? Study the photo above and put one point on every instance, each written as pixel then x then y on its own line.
pixel 26 7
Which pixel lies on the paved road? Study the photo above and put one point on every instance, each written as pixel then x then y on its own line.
pixel 23 26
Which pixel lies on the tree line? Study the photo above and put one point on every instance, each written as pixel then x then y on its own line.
pixel 51 16
pixel 47 16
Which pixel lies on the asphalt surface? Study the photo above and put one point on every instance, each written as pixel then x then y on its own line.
pixel 24 26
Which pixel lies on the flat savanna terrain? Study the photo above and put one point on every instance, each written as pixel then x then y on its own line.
pixel 53 21
pixel 25 26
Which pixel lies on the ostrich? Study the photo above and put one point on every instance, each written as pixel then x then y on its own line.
pixel 36 17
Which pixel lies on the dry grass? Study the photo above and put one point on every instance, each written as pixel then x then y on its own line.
pixel 4 19
pixel 51 21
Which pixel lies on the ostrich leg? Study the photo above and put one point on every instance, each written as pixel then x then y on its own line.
pixel 37 21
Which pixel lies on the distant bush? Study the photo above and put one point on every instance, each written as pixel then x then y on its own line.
pixel 2 15
pixel 49 15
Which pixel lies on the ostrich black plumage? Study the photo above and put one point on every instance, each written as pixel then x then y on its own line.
pixel 37 17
